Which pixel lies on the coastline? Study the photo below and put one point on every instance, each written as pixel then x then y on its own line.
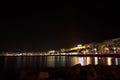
pixel 80 55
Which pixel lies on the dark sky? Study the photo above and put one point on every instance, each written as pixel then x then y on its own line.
pixel 57 24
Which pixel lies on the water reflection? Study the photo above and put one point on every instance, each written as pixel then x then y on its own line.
pixel 81 60
pixel 88 61
pixel 75 60
pixel 116 61
pixel 5 64
pixel 30 62
pixel 96 60
pixel 50 61
pixel 109 61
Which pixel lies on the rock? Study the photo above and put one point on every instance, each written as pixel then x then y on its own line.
pixel 43 75
pixel 23 75
pixel 91 74
pixel 76 69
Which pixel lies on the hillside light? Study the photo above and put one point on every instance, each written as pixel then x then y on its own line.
pixel 79 45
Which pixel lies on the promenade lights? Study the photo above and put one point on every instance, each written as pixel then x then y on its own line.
pixel 114 50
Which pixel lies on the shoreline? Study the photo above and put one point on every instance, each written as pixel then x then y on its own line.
pixel 79 55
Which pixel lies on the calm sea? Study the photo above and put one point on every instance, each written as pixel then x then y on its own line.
pixel 10 66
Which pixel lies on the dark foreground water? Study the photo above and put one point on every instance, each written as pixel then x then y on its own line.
pixel 10 66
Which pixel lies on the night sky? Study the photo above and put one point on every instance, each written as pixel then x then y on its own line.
pixel 50 24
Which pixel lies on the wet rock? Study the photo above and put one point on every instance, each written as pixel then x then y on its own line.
pixel 22 75
pixel 76 69
pixel 43 75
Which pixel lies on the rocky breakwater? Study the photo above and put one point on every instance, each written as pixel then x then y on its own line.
pixel 76 72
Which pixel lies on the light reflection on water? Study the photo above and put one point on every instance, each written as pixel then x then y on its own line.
pixel 35 62
pixel 109 61
pixel 88 61
pixel 96 60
